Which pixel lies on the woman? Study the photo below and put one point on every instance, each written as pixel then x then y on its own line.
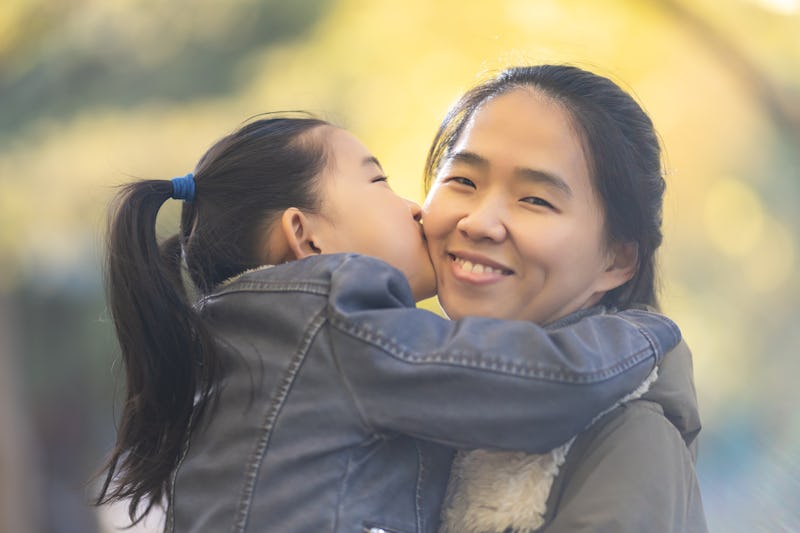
pixel 545 205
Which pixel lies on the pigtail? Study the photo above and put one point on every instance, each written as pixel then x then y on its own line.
pixel 168 353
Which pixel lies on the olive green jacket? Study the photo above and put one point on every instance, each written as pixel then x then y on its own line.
pixel 634 469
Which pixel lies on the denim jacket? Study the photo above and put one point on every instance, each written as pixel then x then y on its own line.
pixel 342 403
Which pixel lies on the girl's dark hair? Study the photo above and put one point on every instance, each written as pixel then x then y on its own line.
pixel 172 368
pixel 621 147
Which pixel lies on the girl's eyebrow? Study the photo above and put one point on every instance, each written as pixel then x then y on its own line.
pixel 469 158
pixel 372 160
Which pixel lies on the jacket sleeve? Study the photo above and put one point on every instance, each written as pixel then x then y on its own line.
pixel 632 474
pixel 478 382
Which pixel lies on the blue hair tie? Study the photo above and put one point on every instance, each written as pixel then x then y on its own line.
pixel 183 187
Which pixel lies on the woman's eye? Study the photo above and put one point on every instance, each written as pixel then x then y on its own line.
pixel 535 200
pixel 462 181
pixel 376 179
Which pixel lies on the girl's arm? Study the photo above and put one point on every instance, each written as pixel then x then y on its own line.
pixel 481 382
pixel 473 383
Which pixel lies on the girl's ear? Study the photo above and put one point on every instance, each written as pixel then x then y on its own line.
pixel 297 233
pixel 624 262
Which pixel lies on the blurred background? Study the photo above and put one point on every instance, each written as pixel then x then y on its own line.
pixel 93 93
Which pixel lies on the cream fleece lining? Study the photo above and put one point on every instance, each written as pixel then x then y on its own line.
pixel 492 491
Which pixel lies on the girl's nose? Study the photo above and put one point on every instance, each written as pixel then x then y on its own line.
pixel 416 210
pixel 484 222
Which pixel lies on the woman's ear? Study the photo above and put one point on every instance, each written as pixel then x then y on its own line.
pixel 297 232
pixel 624 261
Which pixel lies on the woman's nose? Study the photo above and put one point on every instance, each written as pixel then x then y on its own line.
pixel 485 221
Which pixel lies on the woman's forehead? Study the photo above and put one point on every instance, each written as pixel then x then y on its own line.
pixel 521 129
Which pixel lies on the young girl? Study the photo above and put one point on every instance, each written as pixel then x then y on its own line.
pixel 546 202
pixel 311 395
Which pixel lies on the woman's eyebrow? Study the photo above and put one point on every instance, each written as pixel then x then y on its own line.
pixel 468 158
pixel 543 177
pixel 529 174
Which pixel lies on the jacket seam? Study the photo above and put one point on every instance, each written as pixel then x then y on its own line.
pixel 490 362
pixel 657 347
pixel 654 345
pixel 418 488
pixel 351 394
pixel 170 518
pixel 342 489
pixel 310 287
pixel 276 405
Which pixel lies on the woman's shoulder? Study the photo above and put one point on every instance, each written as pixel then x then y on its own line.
pixel 632 459
pixel 666 414
pixel 632 447
pixel 635 441
pixel 675 396
pixel 638 419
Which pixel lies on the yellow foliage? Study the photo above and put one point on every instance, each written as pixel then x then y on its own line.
pixel 388 71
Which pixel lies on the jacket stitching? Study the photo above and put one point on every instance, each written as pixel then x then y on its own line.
pixel 262 443
pixel 676 332
pixel 170 522
pixel 351 394
pixel 654 345
pixel 489 361
pixel 269 286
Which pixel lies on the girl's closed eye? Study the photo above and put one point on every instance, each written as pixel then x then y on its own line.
pixel 383 180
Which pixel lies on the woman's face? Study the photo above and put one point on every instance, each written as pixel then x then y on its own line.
pixel 514 227
pixel 360 213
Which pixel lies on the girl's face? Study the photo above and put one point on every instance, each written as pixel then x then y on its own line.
pixel 514 227
pixel 360 213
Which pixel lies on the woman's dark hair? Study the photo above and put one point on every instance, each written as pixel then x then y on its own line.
pixel 242 184
pixel 621 147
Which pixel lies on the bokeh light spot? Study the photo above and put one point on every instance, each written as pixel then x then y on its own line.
pixel 783 7
pixel 734 217
pixel 772 261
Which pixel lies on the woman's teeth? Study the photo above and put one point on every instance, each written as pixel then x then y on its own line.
pixel 476 268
